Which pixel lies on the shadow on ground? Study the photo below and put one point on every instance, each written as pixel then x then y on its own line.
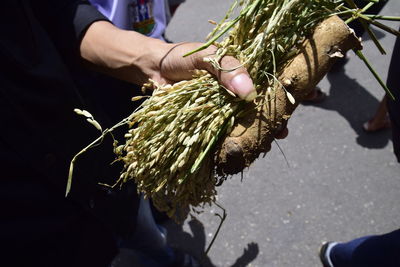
pixel 356 105
pixel 379 34
pixel 195 243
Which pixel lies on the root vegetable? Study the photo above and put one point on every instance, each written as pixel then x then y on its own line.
pixel 253 133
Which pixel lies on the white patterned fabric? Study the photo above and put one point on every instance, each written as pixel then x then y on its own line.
pixel 149 17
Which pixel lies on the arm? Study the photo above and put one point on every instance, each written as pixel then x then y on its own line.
pixel 135 58
pixel 78 27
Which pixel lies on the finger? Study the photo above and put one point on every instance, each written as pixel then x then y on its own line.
pixel 162 81
pixel 238 80
pixel 175 67
pixel 233 76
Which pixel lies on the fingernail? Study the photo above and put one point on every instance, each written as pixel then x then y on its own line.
pixel 250 97
pixel 243 86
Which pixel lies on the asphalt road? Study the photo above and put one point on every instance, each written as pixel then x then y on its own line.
pixel 342 183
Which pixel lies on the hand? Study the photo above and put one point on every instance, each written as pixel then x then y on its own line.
pixel 135 58
pixel 174 67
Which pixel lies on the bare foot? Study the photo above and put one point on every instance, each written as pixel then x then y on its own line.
pixel 372 125
pixel 315 97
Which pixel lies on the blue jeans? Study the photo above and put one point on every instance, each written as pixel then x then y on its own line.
pixel 147 246
pixel 368 251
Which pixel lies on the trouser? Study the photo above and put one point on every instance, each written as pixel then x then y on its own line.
pixel 368 251
pixel 40 227
pixel 147 246
pixel 393 82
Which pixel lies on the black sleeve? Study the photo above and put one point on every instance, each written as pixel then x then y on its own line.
pixel 85 15
pixel 66 21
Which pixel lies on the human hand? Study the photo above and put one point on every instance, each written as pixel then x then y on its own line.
pixel 132 57
pixel 174 67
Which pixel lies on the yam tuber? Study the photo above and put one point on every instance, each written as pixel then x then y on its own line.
pixel 254 132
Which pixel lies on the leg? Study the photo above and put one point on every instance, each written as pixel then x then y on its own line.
pixel 315 97
pixel 393 82
pixel 147 245
pixel 369 251
pixel 41 227
pixel 380 120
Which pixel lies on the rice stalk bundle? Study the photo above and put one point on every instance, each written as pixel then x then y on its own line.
pixel 168 149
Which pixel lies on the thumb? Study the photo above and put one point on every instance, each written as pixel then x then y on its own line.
pixel 233 77
pixel 236 79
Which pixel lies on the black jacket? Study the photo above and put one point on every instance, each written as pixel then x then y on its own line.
pixel 39 135
pixel 37 94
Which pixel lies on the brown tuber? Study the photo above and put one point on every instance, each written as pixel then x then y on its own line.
pixel 254 132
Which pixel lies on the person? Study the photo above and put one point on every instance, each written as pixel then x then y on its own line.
pixel 367 251
pixel 380 120
pixel 378 250
pixel 149 17
pixel 393 105
pixel 41 133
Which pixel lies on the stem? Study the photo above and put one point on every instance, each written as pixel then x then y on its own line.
pixel 376 75
pixel 212 40
pixel 371 19
pixel 229 26
pixel 223 218
pixel 358 10
pixel 351 4
pixel 380 25
pixel 373 37
pixel 375 17
pixel 213 142
pixel 228 14
pixel 283 154
pixel 91 145
pixel 356 15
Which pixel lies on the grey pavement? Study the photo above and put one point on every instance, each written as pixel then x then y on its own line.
pixel 342 183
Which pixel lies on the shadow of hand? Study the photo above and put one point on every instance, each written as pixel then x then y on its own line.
pixel 195 243
pixel 249 254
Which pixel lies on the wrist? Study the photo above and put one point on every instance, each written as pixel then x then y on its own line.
pixel 126 55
